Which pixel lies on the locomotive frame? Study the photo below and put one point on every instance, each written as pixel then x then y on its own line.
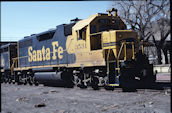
pixel 97 51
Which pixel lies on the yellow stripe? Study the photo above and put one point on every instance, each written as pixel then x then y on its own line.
pixel 61 65
pixel 113 84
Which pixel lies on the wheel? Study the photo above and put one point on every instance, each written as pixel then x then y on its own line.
pixel 95 87
pixel 25 82
pixel 77 80
pixel 13 82
pixel 19 83
pixel 5 81
pixel 69 85
pixel 2 80
pixel 30 83
pixel 94 83
pixel 82 86
pixel 1 77
pixel 36 83
pixel 109 87
pixel 9 80
pixel 17 80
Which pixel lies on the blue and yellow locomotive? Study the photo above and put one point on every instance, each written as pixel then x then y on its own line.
pixel 97 51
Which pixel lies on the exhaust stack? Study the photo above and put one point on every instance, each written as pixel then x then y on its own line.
pixel 112 10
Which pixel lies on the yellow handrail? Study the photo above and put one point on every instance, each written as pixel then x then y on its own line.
pixel 108 61
pixel 124 44
pixel 142 46
pixel 14 61
pixel 133 50
pixel 120 50
pixel 125 51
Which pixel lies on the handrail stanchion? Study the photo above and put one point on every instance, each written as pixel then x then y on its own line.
pixel 125 51
pixel 133 50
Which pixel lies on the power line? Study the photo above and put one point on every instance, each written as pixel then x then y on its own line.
pixel 10 37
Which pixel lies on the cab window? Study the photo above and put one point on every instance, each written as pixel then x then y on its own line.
pixel 93 29
pixel 82 34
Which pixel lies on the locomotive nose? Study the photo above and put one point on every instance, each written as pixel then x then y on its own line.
pixel 121 43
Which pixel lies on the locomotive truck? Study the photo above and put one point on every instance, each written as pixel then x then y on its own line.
pixel 97 51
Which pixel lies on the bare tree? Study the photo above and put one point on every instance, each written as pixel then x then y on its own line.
pixel 163 21
pixel 142 15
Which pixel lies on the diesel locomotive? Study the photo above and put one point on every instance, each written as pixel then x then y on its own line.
pixel 97 51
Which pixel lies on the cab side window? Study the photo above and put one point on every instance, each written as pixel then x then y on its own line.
pixel 93 29
pixel 82 34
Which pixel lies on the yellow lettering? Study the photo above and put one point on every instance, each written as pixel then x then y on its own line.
pixel 39 55
pixel 43 53
pixel 54 44
pixel 48 54
pixel 34 55
pixel 30 54
pixel 60 52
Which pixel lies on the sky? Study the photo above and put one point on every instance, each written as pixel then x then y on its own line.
pixel 20 19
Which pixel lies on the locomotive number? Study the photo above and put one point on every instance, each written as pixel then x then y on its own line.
pixel 44 53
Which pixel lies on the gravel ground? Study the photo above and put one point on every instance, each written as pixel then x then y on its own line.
pixel 43 99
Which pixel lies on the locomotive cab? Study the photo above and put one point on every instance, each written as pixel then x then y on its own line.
pixel 90 29
pixel 102 33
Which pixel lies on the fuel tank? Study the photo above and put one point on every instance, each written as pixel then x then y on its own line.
pixel 49 78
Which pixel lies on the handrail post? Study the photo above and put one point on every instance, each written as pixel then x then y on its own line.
pixel 120 51
pixel 133 50
pixel 142 46
pixel 108 61
pixel 108 64
pixel 125 51
pixel 118 66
